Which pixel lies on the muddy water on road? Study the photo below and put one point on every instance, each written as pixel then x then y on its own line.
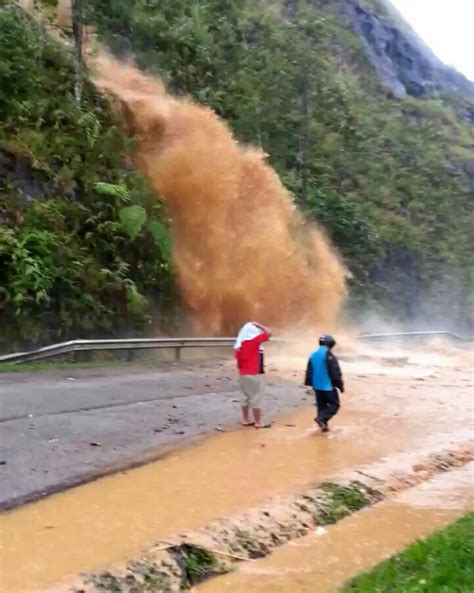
pixel 325 562
pixel 89 527
pixel 97 525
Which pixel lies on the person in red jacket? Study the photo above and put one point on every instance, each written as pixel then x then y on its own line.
pixel 249 354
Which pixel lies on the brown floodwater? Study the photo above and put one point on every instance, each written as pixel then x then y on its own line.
pixel 106 521
pixel 329 558
pixel 102 523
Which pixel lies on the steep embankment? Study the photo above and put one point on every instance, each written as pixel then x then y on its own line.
pixel 390 178
pixel 80 242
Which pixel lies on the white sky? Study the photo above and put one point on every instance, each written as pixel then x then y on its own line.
pixel 447 26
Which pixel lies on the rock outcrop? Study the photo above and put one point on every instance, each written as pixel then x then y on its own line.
pixel 404 64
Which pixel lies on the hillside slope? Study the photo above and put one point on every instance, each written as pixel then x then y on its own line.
pixel 76 254
pixel 392 180
pixel 377 145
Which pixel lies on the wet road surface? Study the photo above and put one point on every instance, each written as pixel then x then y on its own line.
pixel 62 428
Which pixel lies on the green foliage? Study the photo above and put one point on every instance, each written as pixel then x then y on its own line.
pixel 113 191
pixel 379 174
pixel 162 237
pixel 343 500
pixel 77 258
pixel 198 562
pixel 443 563
pixel 36 367
pixel 133 219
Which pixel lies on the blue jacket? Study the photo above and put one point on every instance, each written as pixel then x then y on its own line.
pixel 323 372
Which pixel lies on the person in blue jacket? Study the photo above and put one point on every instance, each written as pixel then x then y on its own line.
pixel 323 374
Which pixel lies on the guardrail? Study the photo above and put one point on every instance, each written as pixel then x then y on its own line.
pixel 422 334
pixel 128 345
pixel 177 344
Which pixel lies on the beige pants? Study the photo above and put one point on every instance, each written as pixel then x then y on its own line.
pixel 252 390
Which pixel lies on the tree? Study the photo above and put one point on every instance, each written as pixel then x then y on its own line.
pixel 77 30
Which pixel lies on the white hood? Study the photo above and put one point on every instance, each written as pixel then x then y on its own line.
pixel 249 331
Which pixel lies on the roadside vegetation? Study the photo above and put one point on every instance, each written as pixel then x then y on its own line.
pixel 58 366
pixel 84 247
pixel 442 563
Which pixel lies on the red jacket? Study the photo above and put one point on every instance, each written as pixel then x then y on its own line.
pixel 249 355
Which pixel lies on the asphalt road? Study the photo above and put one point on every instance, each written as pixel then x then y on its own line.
pixel 62 428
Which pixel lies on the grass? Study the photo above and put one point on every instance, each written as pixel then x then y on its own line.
pixel 57 366
pixel 101 363
pixel 343 500
pixel 443 563
pixel 198 563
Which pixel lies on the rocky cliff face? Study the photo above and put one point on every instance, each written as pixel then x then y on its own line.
pixel 405 65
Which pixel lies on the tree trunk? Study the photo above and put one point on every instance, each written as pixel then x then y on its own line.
pixel 304 142
pixel 77 29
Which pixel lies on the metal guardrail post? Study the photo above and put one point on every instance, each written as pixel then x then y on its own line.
pixel 177 353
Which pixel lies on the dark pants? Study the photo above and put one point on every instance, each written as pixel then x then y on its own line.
pixel 327 403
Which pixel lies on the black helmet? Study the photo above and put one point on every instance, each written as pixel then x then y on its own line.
pixel 327 340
